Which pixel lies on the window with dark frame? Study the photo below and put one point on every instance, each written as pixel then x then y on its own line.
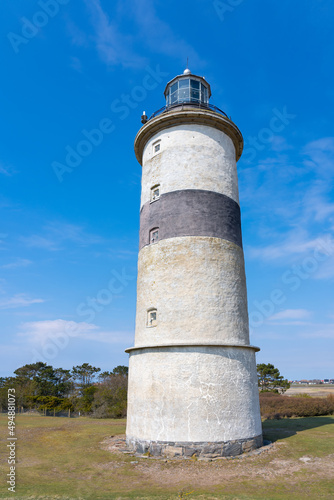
pixel 151 318
pixel 154 235
pixel 155 192
pixel 156 146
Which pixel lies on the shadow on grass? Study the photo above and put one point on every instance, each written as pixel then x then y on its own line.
pixel 286 427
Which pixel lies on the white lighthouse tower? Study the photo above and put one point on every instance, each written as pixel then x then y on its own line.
pixel 192 372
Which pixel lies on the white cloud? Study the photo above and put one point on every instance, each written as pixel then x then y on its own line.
pixel 160 37
pixel 18 300
pixel 292 199
pixel 279 143
pixel 40 332
pixel 297 243
pixel 326 271
pixel 320 156
pixel 78 37
pixel 3 237
pixel 291 314
pixel 57 233
pixel 320 331
pixel 116 48
pixel 113 47
pixel 17 263
pixel 37 241
pixel 316 201
pixel 76 64
pixel 71 232
pixel 5 170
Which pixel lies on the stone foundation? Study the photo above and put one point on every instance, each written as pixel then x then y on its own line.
pixel 188 450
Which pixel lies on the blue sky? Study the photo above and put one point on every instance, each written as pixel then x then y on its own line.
pixel 76 77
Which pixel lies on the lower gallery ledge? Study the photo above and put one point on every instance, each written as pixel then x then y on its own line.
pixel 189 449
pixel 188 344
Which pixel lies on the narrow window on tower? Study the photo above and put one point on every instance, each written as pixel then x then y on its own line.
pixel 151 318
pixel 156 146
pixel 155 192
pixel 154 235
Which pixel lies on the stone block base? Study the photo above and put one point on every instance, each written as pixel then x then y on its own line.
pixel 199 450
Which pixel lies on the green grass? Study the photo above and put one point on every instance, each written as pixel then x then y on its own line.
pixel 60 458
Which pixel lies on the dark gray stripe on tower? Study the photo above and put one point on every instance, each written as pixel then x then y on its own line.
pixel 191 212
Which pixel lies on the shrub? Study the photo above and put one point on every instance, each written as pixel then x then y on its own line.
pixel 110 399
pixel 276 406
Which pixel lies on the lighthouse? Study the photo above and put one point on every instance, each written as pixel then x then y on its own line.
pixel 192 371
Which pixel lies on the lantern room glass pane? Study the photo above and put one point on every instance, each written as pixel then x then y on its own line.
pixel 184 94
pixel 174 97
pixel 195 95
pixel 187 90
pixel 174 87
pixel 183 83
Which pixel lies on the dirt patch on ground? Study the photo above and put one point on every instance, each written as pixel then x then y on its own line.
pixel 265 465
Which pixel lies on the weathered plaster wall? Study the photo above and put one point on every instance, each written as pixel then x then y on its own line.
pixel 190 157
pixel 193 394
pixel 204 393
pixel 198 286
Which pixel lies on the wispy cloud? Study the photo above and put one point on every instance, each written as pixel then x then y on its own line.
pixel 37 241
pixel 317 205
pixel 320 331
pixel 18 300
pixel 295 314
pixel 160 37
pixel 296 196
pixel 17 263
pixel 113 47
pixel 291 317
pixel 3 237
pixel 140 25
pixel 78 37
pixel 5 170
pixel 39 332
pixel 76 64
pixel 319 155
pixel 296 243
pixel 279 144
pixel 57 233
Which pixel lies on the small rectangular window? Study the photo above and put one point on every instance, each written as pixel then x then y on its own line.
pixel 155 192
pixel 154 235
pixel 156 146
pixel 151 317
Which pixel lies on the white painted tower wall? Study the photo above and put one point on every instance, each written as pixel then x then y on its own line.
pixel 192 377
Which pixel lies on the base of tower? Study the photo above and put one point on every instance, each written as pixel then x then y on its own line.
pixel 200 449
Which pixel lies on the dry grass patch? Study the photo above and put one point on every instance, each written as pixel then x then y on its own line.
pixel 66 459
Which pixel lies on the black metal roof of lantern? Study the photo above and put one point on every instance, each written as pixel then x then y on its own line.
pixel 187 88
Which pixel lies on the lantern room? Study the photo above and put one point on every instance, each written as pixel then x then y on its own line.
pixel 187 88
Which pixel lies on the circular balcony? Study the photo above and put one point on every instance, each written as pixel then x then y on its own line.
pixel 188 104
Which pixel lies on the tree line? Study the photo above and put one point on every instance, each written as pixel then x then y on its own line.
pixel 84 389
pixel 88 391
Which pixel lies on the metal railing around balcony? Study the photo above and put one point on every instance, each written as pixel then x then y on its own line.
pixel 181 105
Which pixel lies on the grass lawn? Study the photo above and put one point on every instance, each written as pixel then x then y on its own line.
pixel 60 458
